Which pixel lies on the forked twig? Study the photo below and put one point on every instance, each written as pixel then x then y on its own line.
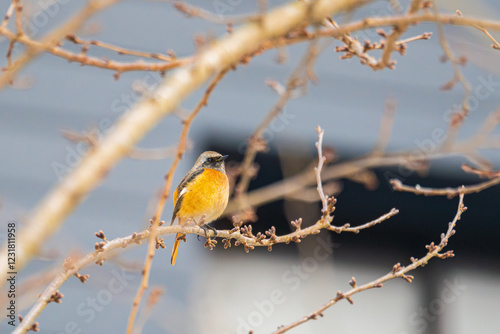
pixel 397 272
pixel 448 192
pixel 242 235
pixel 229 51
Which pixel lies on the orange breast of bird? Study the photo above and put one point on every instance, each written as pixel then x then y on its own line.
pixel 206 195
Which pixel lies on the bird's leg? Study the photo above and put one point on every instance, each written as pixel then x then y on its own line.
pixel 198 236
pixel 206 227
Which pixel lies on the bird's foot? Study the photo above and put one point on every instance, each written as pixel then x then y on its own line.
pixel 206 227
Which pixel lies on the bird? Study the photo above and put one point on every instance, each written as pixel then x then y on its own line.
pixel 202 194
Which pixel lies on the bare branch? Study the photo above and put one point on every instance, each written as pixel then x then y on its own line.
pixel 386 125
pixel 482 173
pixel 152 301
pixel 495 44
pixel 51 39
pixel 319 168
pixel 256 143
pixel 8 15
pixel 227 52
pixel 120 50
pixel 193 11
pixel 448 192
pixel 241 234
pixel 305 179
pixel 397 272
pixel 390 44
pixel 153 241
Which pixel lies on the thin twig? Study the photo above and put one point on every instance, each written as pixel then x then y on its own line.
pixel 241 234
pixel 448 192
pixel 51 39
pixel 489 124
pixel 397 272
pixel 256 142
pixel 408 158
pixel 279 42
pixel 155 222
pixel 19 9
pixel 459 117
pixel 495 44
pixel 120 50
pixel 194 11
pixel 424 36
pixel 104 63
pixel 143 317
pixel 229 51
pixel 8 14
pixel 482 173
pixel 352 46
pixel 319 168
pixel 386 125
pixel 390 43
pixel 374 22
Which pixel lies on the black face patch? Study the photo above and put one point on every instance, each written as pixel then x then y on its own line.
pixel 212 162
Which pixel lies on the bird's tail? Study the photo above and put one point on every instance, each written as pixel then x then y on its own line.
pixel 178 239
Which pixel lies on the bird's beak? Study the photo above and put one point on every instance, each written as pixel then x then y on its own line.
pixel 224 157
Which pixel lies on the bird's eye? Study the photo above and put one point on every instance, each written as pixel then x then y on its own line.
pixel 210 160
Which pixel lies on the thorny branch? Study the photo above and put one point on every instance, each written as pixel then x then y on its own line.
pixel 397 271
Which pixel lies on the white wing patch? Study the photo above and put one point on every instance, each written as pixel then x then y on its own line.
pixel 183 191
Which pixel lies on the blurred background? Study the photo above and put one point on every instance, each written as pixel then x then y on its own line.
pixel 229 291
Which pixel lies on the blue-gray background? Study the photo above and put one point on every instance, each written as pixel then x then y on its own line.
pixel 223 292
